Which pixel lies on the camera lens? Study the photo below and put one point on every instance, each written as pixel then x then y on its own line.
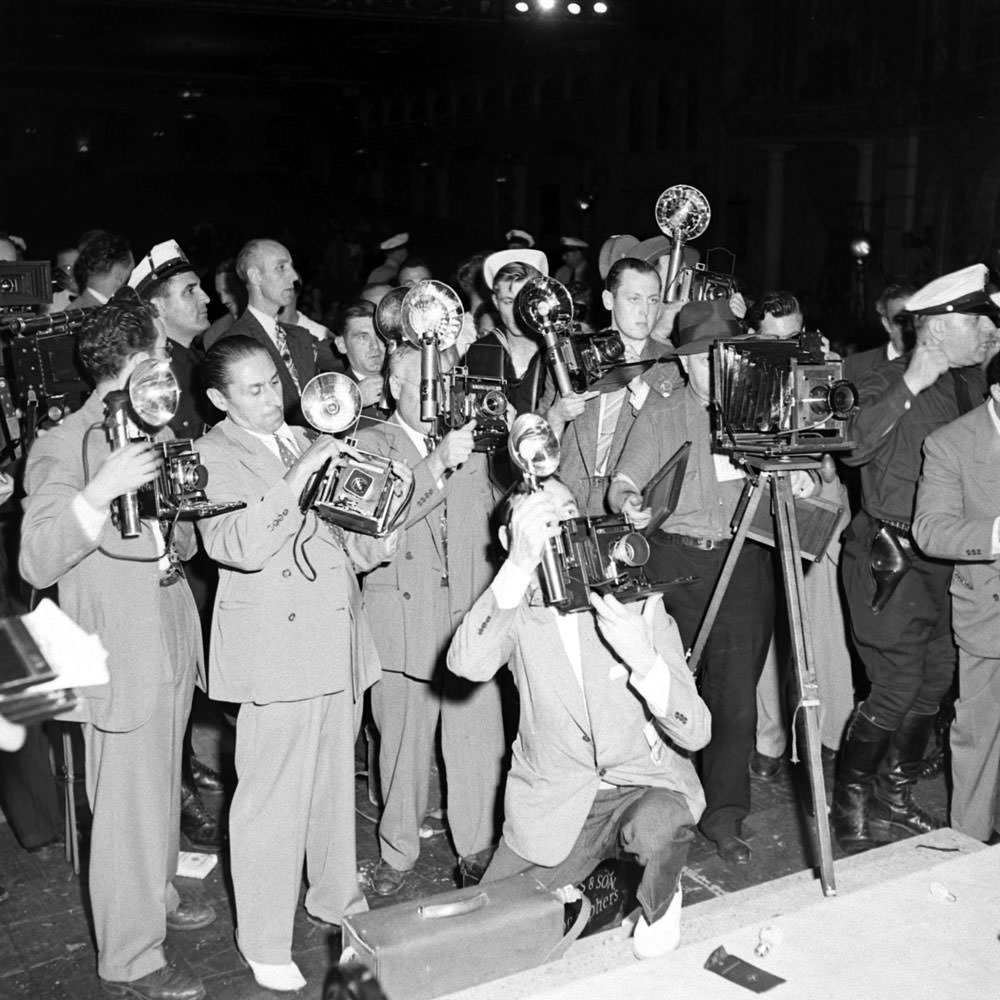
pixel 493 403
pixel 843 399
pixel 632 550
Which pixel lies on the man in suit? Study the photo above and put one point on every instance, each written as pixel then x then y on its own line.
pixel 364 353
pixel 958 502
pixel 103 266
pixel 132 593
pixel 291 645
pixel 418 601
pixel 898 326
pixel 593 428
pixel 605 699
pixel 266 268
pixel 897 596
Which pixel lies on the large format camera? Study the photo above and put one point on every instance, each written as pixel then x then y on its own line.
pixel 178 491
pixel 779 397
pixel 602 555
pixel 482 398
pixel 362 493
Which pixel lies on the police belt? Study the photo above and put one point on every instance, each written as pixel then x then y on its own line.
pixel 691 542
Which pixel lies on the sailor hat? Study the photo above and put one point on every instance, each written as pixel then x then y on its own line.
pixel 573 243
pixel 520 234
pixel 522 255
pixel 613 249
pixel 395 242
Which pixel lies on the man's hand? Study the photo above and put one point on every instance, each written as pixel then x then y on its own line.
pixel 326 446
pixel 663 327
pixel 123 471
pixel 6 487
pixel 627 630
pixel 624 499
pixel 926 366
pixel 456 446
pixel 371 389
pixel 534 522
pixel 12 735
pixel 803 483
pixel 738 305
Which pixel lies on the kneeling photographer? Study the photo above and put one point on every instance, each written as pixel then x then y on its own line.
pixel 605 697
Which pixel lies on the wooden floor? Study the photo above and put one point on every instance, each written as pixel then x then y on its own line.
pixel 47 950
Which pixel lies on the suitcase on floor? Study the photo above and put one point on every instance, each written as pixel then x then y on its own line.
pixel 428 947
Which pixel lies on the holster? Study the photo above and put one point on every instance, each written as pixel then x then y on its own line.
pixel 890 557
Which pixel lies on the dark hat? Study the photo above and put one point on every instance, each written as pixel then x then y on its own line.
pixel 961 291
pixel 652 249
pixel 163 261
pixel 700 324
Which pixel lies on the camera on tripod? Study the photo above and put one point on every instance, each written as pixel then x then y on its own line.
pixel 482 398
pixel 178 491
pixel 780 397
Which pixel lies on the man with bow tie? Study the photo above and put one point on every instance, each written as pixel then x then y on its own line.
pixel 605 699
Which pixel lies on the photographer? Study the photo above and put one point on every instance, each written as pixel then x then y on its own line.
pixel 956 519
pixel 418 601
pixel 291 644
pixel 605 697
pixel 594 428
pixel 898 596
pixel 694 542
pixel 103 266
pixel 132 593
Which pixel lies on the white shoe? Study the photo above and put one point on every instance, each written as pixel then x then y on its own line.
pixel 282 978
pixel 661 936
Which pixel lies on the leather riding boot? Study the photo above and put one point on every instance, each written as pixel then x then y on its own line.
pixel 894 815
pixel 197 823
pixel 862 750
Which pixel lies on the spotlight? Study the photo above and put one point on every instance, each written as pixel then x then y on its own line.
pixel 600 7
pixel 573 8
pixel 546 4
pixel 521 7
pixel 860 247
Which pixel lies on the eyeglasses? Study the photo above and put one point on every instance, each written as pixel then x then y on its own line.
pixel 898 320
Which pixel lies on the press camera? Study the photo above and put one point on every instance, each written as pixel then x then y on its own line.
pixel 779 397
pixel 178 491
pixel 482 398
pixel 363 493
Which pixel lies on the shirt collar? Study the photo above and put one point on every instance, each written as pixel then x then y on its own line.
pixel 95 294
pixel 418 438
pixel 270 323
pixel 992 410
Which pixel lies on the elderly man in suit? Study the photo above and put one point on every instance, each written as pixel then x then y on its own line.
pixel 266 268
pixel 606 697
pixel 418 601
pixel 290 643
pixel 958 519
pixel 593 428
pixel 132 593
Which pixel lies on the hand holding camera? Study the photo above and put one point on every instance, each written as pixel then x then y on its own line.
pixel 535 520
pixel 623 498
pixel 456 446
pixel 566 409
pixel 315 457
pixel 926 366
pixel 371 389
pixel 627 630
pixel 123 471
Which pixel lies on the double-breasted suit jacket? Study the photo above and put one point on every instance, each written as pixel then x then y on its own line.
pixel 404 596
pixel 958 500
pixel 277 634
pixel 571 737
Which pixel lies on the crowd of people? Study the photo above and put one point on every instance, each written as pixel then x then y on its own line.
pixel 616 748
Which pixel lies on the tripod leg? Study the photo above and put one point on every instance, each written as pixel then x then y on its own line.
pixel 752 492
pixel 805 676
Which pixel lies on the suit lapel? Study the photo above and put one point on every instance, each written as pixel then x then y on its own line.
pixel 986 449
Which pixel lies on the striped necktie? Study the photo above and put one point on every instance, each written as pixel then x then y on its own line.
pixel 281 341
pixel 611 408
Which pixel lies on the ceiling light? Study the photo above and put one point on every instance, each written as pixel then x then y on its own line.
pixel 573 8
pixel 600 7
pixel 521 7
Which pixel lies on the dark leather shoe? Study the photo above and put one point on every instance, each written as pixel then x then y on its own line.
pixel 190 916
pixel 197 823
pixel 764 767
pixel 472 867
pixel 166 983
pixel 386 880
pixel 734 851
pixel 205 777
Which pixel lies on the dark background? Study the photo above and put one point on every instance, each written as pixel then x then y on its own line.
pixel 325 121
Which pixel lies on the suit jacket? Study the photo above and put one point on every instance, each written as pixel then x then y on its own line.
pixel 308 355
pixel 577 464
pixel 405 597
pixel 193 411
pixel 958 499
pixel 569 741
pixel 101 585
pixel 277 635
pixel 858 364
pixel 85 300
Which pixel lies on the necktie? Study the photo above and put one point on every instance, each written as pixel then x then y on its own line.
pixel 611 407
pixel 281 342
pixel 287 456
